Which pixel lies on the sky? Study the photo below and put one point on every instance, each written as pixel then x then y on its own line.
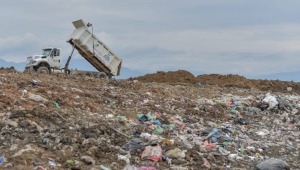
pixel 202 36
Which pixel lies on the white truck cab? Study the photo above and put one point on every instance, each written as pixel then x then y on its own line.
pixel 50 59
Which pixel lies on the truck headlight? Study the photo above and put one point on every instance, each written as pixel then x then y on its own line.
pixel 33 62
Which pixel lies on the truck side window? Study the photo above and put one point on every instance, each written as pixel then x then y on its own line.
pixel 52 52
pixel 57 52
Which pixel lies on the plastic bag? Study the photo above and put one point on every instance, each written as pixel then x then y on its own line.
pixel 271 100
pixel 153 153
pixel 158 130
pixel 134 145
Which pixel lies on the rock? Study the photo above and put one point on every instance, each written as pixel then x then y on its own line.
pixel 12 123
pixel 20 152
pixel 24 124
pixel 176 153
pixel 17 114
pixel 36 98
pixel 273 164
pixel 88 160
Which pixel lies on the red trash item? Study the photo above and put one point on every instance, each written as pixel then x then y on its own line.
pixel 210 146
pixel 152 127
pixel 147 168
pixel 153 153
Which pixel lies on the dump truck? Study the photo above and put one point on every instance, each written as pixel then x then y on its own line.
pixel 88 46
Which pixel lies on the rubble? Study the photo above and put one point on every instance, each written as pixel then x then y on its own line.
pixel 69 122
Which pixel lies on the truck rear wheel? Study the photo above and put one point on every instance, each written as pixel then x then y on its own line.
pixel 101 75
pixel 43 70
pixel 89 74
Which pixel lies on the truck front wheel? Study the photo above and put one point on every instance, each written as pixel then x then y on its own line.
pixel 43 70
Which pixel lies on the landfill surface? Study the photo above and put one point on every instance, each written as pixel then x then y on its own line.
pixel 161 121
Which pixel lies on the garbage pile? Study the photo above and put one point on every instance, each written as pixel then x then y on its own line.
pixel 66 122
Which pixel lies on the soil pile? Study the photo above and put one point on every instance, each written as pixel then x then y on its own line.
pixel 180 76
pixel 241 82
pixel 225 80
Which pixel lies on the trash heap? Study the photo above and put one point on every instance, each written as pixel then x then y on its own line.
pixel 65 122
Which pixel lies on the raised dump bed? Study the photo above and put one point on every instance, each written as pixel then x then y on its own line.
pixel 94 50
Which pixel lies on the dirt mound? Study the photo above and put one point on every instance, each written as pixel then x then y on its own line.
pixel 180 76
pixel 242 82
pixel 230 80
pixel 225 80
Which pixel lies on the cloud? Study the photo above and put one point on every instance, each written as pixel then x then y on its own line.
pixel 14 48
pixel 9 42
pixel 243 50
pixel 245 37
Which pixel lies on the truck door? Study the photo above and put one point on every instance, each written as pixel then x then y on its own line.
pixel 55 58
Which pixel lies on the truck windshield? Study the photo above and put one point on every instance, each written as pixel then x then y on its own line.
pixel 47 52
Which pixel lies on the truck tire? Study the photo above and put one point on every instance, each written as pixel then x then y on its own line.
pixel 101 75
pixel 43 70
pixel 89 74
